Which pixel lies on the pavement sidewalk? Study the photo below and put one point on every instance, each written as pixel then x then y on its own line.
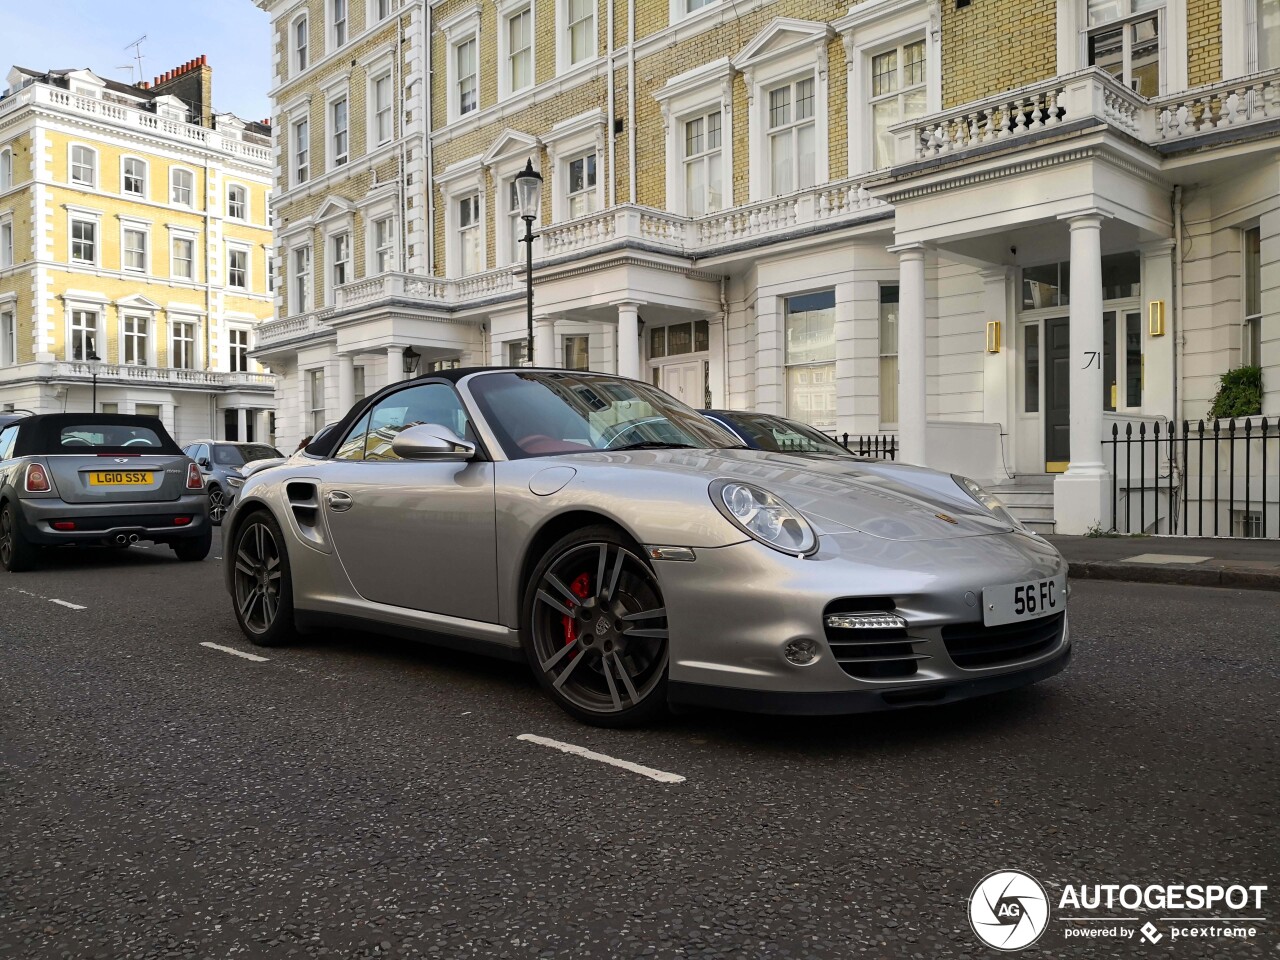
pixel 1193 561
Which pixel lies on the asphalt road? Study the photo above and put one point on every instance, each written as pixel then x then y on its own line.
pixel 362 797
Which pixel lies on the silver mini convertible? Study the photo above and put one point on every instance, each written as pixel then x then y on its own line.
pixel 635 554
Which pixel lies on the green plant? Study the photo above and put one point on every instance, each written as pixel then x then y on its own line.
pixel 1239 394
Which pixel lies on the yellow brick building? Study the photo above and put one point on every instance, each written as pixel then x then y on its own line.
pixel 136 230
pixel 872 217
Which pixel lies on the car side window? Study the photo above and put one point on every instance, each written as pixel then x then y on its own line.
pixel 202 452
pixel 8 437
pixel 426 403
pixel 352 446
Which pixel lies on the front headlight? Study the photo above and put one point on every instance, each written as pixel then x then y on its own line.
pixel 763 516
pixel 991 503
pixel 235 482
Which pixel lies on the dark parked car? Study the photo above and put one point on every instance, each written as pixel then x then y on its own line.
pixel 765 431
pixel 97 478
pixel 220 462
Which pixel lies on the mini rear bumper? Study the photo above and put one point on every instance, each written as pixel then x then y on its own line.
pixel 158 522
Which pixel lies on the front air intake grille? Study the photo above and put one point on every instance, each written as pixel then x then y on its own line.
pixel 881 650
pixel 972 645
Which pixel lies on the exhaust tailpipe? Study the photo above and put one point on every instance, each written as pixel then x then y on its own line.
pixel 133 538
pixel 121 539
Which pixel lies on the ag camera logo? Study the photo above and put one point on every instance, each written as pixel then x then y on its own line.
pixel 1008 910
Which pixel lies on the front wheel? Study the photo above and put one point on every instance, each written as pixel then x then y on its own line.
pixel 596 629
pixel 263 587
pixel 217 504
pixel 16 554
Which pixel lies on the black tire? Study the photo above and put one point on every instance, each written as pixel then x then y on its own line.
pixel 610 611
pixel 217 504
pixel 262 585
pixel 194 549
pixel 16 554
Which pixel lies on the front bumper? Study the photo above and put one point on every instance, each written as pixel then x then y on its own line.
pixel 732 611
pixel 98 523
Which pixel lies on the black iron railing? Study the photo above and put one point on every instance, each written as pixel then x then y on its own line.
pixel 878 446
pixel 1217 479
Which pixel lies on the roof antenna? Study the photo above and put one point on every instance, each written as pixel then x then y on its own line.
pixel 136 47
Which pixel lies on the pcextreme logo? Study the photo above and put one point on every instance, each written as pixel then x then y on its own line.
pixel 1009 910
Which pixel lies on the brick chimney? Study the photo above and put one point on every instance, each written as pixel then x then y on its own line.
pixel 193 83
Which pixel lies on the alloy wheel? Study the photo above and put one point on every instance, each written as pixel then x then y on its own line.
pixel 217 504
pixel 599 627
pixel 6 538
pixel 257 577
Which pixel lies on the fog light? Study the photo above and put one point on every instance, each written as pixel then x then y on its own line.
pixel 800 652
pixel 865 621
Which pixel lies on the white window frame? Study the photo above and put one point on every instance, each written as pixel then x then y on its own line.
pixel 175 322
pixel 784 52
pixel 374 14
pixel 7 255
pixel 98 310
pixel 684 9
pixel 8 333
pixel 174 172
pixel 347 265
pixel 143 230
pixel 127 338
pixel 590 192
pixel 567 141
pixel 506 13
pixel 564 29
pixel 697 92
pixel 376 72
pixel 1250 319
pixel 316 407
pixel 300 166
pixel 146 177
pixel 460 180
pixel 473 231
pixel 461 28
pixel 301 304
pixel 705 158
pixel 189 237
pixel 84 216
pixel 505 159
pixel 868 32
pixel 243 216
pixel 788 366
pixel 458 95
pixel 299 55
pixel 233 348
pixel 337 15
pixel 92 182
pixel 6 169
pixel 790 128
pixel 247 251
pixel 337 140
pixel 383 248
pixel 1072 28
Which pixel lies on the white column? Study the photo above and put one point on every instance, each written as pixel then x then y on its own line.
pixel 395 366
pixel 770 357
pixel 264 427
pixel 242 424
pixel 996 379
pixel 629 339
pixel 912 396
pixel 544 342
pixel 1081 498
pixel 346 383
pixel 716 347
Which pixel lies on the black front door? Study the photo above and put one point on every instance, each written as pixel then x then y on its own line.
pixel 1057 396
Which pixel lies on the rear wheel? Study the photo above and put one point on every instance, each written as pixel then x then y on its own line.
pixel 16 554
pixel 197 549
pixel 263 587
pixel 217 504
pixel 596 629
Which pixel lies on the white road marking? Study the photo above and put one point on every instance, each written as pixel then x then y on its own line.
pixel 234 652
pixel 66 603
pixel 659 775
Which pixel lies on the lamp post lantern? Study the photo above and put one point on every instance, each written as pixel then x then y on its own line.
pixel 95 362
pixel 529 200
pixel 411 360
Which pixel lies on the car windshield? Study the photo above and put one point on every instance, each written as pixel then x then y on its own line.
pixel 84 438
pixel 536 414
pixel 238 454
pixel 784 436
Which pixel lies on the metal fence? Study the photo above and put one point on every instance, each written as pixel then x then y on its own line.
pixel 1219 478
pixel 877 446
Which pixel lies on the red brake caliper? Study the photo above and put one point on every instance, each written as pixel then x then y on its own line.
pixel 580 587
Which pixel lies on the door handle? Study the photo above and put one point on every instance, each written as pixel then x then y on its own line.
pixel 339 501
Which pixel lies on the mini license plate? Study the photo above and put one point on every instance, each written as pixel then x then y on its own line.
pixel 1027 600
pixel 120 478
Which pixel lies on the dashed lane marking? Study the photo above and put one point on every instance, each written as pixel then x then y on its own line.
pixel 234 652
pixel 68 604
pixel 660 775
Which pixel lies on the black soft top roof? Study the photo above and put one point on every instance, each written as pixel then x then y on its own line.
pixel 41 434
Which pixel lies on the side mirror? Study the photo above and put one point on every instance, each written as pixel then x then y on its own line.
pixel 204 463
pixel 431 441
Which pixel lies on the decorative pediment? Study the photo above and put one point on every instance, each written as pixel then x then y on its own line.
pixel 782 36
pixel 335 207
pixel 137 302
pixel 509 143
pixel 87 77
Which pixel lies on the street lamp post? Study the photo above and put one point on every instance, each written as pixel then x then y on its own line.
pixel 95 362
pixel 529 200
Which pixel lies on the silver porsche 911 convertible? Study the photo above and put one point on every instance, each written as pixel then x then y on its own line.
pixel 637 555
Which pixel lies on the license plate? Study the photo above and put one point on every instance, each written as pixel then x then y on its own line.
pixel 120 478
pixel 1026 600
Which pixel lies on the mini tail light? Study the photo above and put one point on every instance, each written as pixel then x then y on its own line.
pixel 37 480
pixel 181 521
pixel 194 482
pixel 63 524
